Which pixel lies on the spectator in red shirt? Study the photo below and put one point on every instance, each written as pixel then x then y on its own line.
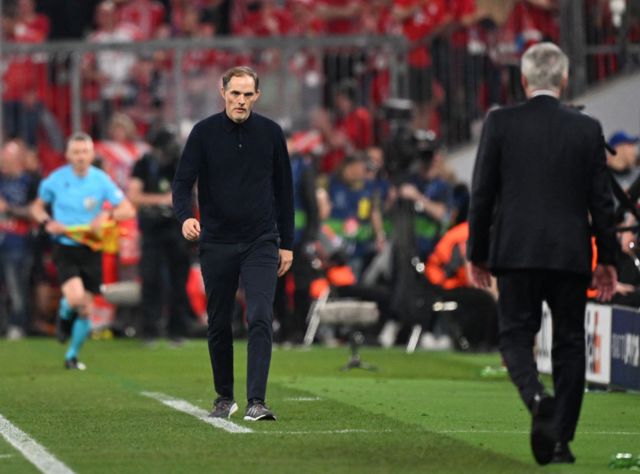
pixel 27 17
pixel 421 20
pixel 267 18
pixel 341 16
pixel 109 71
pixel 305 21
pixel 147 15
pixel 376 18
pixel 333 143
pixel 352 130
pixel 181 13
pixel 24 79
pixel 353 120
pixel 201 67
pixel 529 22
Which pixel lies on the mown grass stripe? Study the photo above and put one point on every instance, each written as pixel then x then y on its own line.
pixel 35 453
pixel 581 433
pixel 186 407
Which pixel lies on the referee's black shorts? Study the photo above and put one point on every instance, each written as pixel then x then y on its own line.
pixel 79 261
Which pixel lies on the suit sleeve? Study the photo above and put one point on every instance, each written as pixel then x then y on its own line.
pixel 283 191
pixel 601 204
pixel 186 175
pixel 484 188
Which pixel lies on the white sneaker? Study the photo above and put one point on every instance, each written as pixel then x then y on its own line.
pixel 430 342
pixel 15 333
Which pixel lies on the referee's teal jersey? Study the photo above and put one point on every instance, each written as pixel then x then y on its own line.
pixel 77 200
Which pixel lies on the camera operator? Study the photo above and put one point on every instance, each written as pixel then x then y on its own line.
pixel 164 250
pixel 429 188
pixel 419 216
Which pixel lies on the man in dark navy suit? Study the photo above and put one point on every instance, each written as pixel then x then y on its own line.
pixel 540 190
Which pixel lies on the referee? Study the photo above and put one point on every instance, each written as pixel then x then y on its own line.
pixel 245 231
pixel 76 194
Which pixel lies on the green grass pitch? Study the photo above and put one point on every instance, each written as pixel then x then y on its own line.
pixel 424 412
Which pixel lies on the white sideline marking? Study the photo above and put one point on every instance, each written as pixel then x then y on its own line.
pixel 323 432
pixel 35 453
pixel 615 433
pixel 302 399
pixel 186 407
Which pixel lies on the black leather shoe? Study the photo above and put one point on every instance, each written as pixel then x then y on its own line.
pixel 562 454
pixel 543 438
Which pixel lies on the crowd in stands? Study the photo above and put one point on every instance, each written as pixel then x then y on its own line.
pixel 463 54
pixel 463 59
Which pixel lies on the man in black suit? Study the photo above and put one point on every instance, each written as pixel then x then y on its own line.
pixel 540 189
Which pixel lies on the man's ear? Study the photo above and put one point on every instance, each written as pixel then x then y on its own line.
pixel 524 82
pixel 222 92
pixel 564 82
pixel 257 94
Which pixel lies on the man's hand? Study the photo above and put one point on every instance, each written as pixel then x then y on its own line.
pixel 286 259
pixel 410 192
pixel 54 228
pixel 191 229
pixel 624 289
pixel 166 199
pixel 98 222
pixel 480 276
pixel 605 279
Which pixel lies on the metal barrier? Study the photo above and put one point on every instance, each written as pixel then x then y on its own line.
pixel 177 81
pixel 77 85
pixel 599 42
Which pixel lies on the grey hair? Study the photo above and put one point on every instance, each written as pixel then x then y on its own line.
pixel 79 137
pixel 544 65
pixel 239 71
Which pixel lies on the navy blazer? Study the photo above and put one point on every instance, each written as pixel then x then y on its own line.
pixel 540 190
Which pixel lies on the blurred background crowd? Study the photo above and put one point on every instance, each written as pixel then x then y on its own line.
pixel 371 95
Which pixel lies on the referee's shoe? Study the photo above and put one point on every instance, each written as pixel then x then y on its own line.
pixel 257 410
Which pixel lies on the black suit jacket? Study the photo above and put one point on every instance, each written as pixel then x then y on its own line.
pixel 540 190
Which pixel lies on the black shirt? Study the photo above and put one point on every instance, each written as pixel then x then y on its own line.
pixel 156 177
pixel 244 180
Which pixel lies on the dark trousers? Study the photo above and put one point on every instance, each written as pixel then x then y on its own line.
pixel 520 312
pixel 255 264
pixel 164 253
pixel 15 271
